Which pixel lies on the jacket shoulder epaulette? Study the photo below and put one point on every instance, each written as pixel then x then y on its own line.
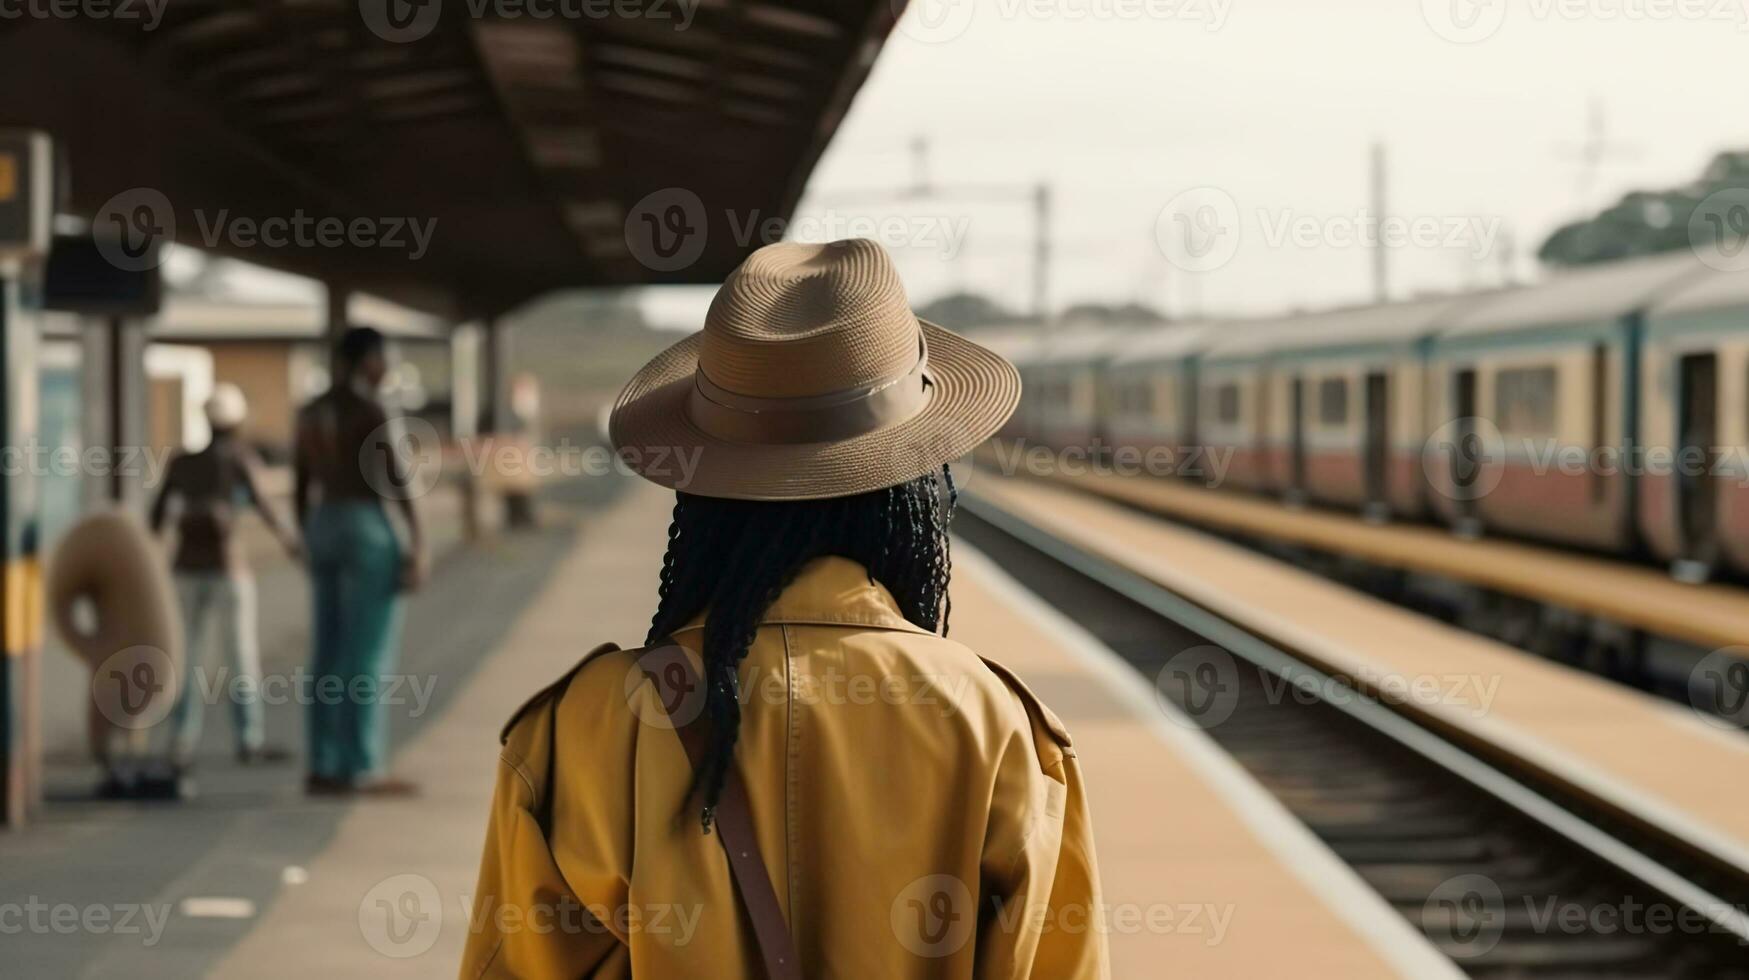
pixel 1041 714
pixel 552 691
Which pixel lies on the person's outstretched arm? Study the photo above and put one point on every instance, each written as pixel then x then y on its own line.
pixel 413 568
pixel 269 514
pixel 161 504
pixel 301 470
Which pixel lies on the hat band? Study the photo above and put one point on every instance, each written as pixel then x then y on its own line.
pixel 830 417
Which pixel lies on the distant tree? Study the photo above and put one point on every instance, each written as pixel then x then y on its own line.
pixel 1647 222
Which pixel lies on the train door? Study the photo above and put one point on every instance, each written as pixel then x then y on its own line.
pixel 1697 436
pixel 1296 400
pixel 1466 451
pixel 1376 454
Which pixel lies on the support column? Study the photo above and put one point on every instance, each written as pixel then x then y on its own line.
pixel 27 199
pixel 116 392
pixel 20 568
pixel 495 377
pixel 464 380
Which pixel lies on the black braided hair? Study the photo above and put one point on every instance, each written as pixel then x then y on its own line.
pixel 732 558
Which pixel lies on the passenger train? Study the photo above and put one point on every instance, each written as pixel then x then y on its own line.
pixel 1606 408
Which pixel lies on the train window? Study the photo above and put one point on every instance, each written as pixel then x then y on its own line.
pixel 1227 403
pixel 1333 402
pixel 1524 400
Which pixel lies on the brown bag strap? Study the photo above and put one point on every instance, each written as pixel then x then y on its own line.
pixel 681 693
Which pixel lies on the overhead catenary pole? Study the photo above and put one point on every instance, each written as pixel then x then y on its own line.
pixel 1041 252
pixel 922 187
pixel 1381 284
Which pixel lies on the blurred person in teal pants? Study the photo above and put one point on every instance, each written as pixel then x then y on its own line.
pixel 348 475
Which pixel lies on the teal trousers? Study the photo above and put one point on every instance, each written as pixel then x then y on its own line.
pixel 355 574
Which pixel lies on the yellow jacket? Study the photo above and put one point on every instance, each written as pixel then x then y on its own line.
pixel 921 814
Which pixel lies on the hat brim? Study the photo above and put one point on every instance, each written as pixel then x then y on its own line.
pixel 975 390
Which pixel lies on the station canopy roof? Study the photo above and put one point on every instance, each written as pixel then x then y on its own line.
pixel 534 149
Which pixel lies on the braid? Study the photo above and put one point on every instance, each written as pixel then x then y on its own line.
pixel 731 559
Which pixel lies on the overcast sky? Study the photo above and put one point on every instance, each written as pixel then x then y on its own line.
pixel 1212 157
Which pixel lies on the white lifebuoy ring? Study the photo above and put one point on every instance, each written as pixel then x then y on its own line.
pixel 109 560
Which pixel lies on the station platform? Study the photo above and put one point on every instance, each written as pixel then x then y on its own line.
pixel 1203 873
pixel 1646 757
pixel 1710 615
pixel 1180 826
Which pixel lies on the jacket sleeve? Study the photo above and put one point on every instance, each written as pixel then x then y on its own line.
pixel 1042 913
pixel 525 919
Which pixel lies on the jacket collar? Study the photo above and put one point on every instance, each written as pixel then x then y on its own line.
pixel 833 591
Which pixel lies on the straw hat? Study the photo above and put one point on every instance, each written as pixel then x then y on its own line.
pixel 812 378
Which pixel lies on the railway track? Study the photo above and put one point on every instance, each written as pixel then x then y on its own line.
pixel 1506 871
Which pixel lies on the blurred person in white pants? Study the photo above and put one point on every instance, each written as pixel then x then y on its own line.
pixel 214 585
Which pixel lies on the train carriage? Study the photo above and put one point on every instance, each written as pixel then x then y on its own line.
pixel 1152 398
pixel 1020 346
pixel 1233 412
pixel 1694 426
pixel 1533 400
pixel 1064 389
pixel 1347 416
